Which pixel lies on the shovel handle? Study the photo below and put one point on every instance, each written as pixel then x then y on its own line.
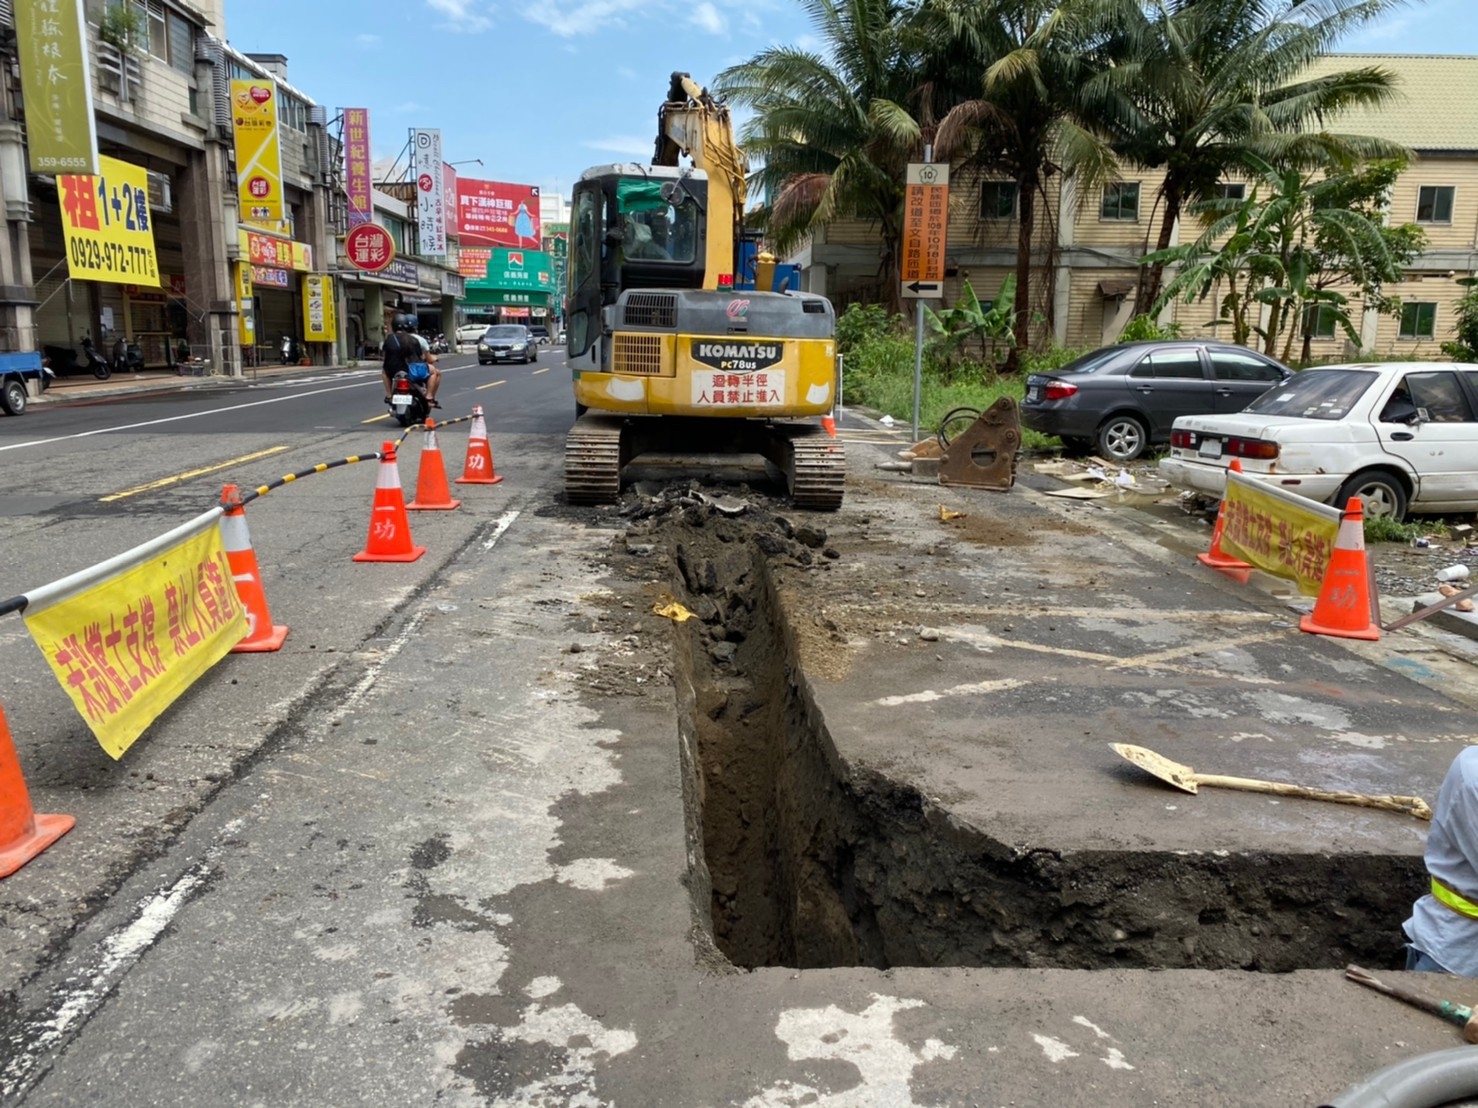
pixel 1408 805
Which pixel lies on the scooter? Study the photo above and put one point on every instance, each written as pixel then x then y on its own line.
pixel 408 403
pixel 127 357
pixel 290 351
pixel 63 361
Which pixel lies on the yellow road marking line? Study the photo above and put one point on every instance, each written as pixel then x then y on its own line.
pixel 376 419
pixel 165 482
pixel 491 385
pixel 539 371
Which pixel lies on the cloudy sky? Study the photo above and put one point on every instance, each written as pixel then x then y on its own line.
pixel 542 89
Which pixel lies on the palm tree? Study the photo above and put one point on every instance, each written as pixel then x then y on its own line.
pixel 1210 89
pixel 1025 118
pixel 831 133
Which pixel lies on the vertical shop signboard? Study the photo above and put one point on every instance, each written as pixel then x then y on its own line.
pixel 107 225
pixel 60 133
pixel 430 192
pixel 319 324
pixel 258 150
pixel 246 323
pixel 358 182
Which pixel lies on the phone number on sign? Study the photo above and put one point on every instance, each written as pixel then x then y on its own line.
pixel 111 257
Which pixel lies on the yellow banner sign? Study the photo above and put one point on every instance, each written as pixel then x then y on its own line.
pixel 246 323
pixel 320 323
pixel 108 228
pixel 258 152
pixel 125 645
pixel 1279 533
pixel 61 136
pixel 279 253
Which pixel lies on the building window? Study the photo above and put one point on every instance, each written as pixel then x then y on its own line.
pixel 1120 202
pixel 998 200
pixel 1418 320
pixel 1231 190
pixel 1319 321
pixel 181 43
pixel 1434 204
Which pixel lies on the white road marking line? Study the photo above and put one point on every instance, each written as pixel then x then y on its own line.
pixel 501 524
pixel 373 670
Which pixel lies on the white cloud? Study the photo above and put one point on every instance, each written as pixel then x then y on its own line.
pixel 581 18
pixel 367 40
pixel 460 15
pixel 632 146
pixel 706 16
pixel 408 107
pixel 628 73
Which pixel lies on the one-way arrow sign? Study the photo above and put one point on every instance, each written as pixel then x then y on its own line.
pixel 922 290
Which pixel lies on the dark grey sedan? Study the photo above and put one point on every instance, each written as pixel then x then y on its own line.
pixel 1122 399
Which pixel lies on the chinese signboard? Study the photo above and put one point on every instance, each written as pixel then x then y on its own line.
pixel 401 272
pixel 426 169
pixel 125 647
pixel 109 233
pixel 319 322
pixel 739 390
pixel 925 224
pixel 516 269
pixel 1286 535
pixel 491 213
pixel 57 79
pixel 258 153
pixel 473 262
pixel 246 323
pixel 272 278
pixel 449 198
pixel 262 249
pixel 358 179
pixel 369 247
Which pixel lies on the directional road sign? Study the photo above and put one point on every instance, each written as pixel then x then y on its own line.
pixel 925 224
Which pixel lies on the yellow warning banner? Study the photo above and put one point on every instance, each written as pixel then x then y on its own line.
pixel 127 637
pixel 1286 535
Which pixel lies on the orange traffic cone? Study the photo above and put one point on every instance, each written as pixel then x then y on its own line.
pixel 479 467
pixel 390 528
pixel 432 493
pixel 1237 570
pixel 1344 607
pixel 23 834
pixel 261 635
pixel 830 425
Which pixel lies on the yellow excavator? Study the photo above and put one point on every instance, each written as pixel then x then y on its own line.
pixel 667 355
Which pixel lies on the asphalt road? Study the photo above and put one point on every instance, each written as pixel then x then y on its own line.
pixel 434 850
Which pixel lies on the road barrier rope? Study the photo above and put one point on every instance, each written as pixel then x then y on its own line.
pixel 322 467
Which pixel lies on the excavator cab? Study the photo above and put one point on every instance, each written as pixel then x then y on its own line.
pixel 633 227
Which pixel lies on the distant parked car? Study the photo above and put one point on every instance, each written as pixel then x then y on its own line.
pixel 541 334
pixel 1400 436
pixel 1121 400
pixel 507 342
pixel 471 332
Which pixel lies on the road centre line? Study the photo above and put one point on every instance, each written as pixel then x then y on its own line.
pixel 536 372
pixel 376 419
pixel 1213 647
pixel 178 418
pixel 164 482
pixel 492 385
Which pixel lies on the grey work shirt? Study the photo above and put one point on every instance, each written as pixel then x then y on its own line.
pixel 1448 937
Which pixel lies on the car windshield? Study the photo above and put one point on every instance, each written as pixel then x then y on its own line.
pixel 1315 394
pixel 508 331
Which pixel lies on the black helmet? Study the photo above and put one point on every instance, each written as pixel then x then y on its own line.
pixel 404 323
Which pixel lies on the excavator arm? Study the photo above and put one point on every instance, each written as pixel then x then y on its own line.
pixel 692 122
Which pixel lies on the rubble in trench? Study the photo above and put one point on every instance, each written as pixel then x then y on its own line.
pixel 805 860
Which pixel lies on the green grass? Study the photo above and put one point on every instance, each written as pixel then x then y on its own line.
pixel 1386 529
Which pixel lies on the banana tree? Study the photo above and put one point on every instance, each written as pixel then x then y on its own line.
pixel 969 321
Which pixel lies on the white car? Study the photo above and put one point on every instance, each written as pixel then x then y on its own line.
pixel 471 332
pixel 1400 436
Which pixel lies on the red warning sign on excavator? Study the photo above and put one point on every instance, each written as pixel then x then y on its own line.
pixel 925 224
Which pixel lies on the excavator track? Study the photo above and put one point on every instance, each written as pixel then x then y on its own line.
pixel 816 470
pixel 593 460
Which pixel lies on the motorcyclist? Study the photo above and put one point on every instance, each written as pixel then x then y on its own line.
pixel 402 347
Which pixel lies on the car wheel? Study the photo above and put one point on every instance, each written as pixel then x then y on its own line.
pixel 13 397
pixel 1122 438
pixel 1381 493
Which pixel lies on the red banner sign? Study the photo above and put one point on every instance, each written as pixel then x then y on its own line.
pixel 358 181
pixel 492 213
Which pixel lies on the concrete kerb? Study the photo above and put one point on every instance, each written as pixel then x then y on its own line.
pixel 68 389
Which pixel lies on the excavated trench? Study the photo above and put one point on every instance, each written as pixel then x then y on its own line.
pixel 799 859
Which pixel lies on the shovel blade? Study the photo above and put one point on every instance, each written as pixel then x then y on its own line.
pixel 1173 773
